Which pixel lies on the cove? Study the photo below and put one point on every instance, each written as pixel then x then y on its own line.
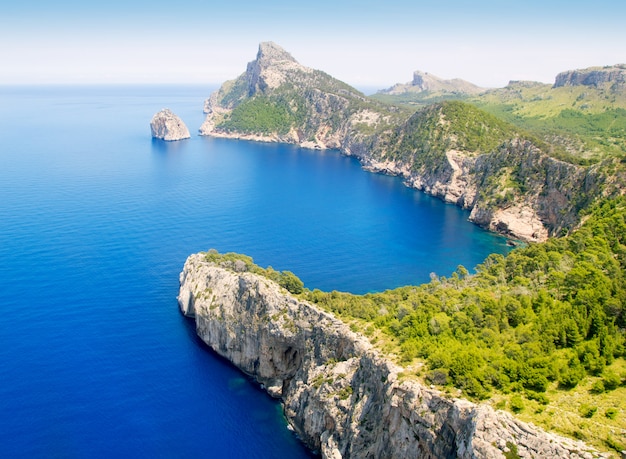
pixel 96 221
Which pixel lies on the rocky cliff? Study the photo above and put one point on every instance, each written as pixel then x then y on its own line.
pixel 279 100
pixel 468 158
pixel 165 125
pixel 341 397
pixel 593 76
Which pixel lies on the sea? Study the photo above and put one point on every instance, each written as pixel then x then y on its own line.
pixel 96 221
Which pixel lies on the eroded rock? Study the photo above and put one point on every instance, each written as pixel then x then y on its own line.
pixel 165 125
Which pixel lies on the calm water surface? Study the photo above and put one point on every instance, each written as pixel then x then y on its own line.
pixel 96 220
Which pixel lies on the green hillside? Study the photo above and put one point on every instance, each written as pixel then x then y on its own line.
pixel 583 124
pixel 440 127
pixel 587 121
pixel 537 332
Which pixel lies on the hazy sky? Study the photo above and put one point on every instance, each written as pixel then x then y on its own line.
pixel 365 43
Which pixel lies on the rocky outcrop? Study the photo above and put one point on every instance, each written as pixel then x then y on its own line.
pixel 592 76
pixel 427 82
pixel 165 125
pixel 301 105
pixel 341 397
pixel 513 188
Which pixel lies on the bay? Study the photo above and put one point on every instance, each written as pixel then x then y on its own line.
pixel 96 220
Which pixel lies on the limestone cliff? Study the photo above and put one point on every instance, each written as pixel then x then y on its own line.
pixel 507 182
pixel 165 125
pixel 341 397
pixel 593 76
pixel 279 100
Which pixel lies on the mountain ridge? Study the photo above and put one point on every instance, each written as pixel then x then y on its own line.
pixel 427 82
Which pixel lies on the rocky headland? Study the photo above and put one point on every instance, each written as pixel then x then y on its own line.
pixel 340 395
pixel 165 125
pixel 507 178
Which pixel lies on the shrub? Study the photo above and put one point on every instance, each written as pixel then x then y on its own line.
pixel 611 381
pixel 611 413
pixel 587 411
pixel 537 396
pixel 517 403
pixel 614 444
pixel 438 377
pixel 597 387
pixel 512 453
pixel 291 282
pixel 571 376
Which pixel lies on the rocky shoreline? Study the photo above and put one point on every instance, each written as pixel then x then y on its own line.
pixel 339 394
pixel 514 189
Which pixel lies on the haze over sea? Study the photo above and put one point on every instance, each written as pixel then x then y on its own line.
pixel 96 220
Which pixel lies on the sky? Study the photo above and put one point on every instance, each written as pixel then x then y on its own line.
pixel 368 44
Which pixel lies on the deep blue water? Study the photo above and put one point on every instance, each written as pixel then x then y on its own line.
pixel 96 220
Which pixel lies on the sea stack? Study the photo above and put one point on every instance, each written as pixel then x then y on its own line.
pixel 165 125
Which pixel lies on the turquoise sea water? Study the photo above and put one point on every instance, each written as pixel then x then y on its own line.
pixel 96 220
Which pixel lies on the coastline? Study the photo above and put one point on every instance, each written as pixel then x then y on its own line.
pixel 339 395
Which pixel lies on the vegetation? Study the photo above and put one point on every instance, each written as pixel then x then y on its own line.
pixel 260 115
pixel 450 125
pixel 543 327
pixel 588 122
pixel 582 124
pixel 552 312
pixel 243 263
pixel 418 99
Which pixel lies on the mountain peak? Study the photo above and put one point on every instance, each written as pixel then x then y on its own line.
pixel 270 52
pixel 270 68
pixel 424 82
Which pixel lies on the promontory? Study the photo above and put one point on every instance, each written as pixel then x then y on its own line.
pixel 340 395
pixel 526 185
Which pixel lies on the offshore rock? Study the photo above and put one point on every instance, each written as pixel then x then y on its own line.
pixel 165 125
pixel 340 396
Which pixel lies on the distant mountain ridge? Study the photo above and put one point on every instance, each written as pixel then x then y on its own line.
pixel 426 82
pixel 593 76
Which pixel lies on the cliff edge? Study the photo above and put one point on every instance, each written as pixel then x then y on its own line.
pixel 341 397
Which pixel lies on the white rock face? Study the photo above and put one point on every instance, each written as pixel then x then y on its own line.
pixel 341 397
pixel 165 125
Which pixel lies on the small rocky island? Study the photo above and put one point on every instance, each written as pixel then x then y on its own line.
pixel 165 125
